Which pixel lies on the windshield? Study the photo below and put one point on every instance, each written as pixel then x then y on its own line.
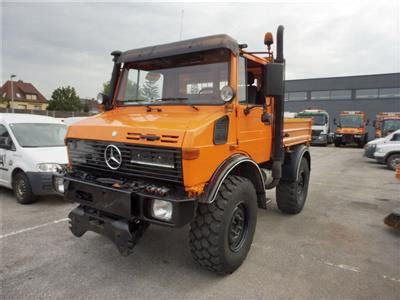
pixel 317 119
pixel 390 125
pixel 350 121
pixel 196 78
pixel 39 134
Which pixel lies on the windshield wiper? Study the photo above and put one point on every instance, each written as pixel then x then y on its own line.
pixel 149 108
pixel 171 98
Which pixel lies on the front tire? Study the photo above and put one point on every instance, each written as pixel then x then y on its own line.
pixel 222 232
pixel 22 189
pixel 291 195
pixel 392 161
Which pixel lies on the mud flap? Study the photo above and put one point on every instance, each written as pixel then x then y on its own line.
pixel 393 219
pixel 124 234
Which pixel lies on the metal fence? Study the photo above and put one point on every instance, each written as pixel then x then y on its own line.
pixel 51 113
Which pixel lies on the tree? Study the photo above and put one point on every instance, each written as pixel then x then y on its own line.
pixel 65 99
pixel 106 87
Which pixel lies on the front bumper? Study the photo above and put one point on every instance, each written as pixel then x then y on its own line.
pixel 369 151
pixel 41 182
pixel 380 157
pixel 319 140
pixel 125 204
pixel 348 138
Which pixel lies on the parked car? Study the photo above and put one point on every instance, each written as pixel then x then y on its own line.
pixel 31 150
pixel 388 150
pixel 370 147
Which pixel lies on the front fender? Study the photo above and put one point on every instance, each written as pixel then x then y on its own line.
pixel 237 164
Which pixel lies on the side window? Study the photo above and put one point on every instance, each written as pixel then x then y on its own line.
pixel 396 137
pixel 5 139
pixel 242 80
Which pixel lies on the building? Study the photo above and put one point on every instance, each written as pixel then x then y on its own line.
pixel 368 93
pixel 26 96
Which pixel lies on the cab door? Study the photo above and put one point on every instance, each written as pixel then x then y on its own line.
pixel 254 136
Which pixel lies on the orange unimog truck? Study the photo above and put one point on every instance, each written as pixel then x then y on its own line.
pixel 351 128
pixel 192 133
pixel 386 123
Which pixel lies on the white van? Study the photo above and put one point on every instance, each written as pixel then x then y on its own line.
pixel 387 150
pixel 31 150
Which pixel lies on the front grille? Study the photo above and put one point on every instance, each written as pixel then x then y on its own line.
pixel 89 155
pixel 316 132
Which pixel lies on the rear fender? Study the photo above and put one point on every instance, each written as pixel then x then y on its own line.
pixel 292 162
pixel 238 165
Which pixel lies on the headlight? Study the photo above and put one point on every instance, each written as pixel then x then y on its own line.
pixel 59 184
pixel 49 167
pixel 227 93
pixel 339 135
pixel 378 149
pixel 161 210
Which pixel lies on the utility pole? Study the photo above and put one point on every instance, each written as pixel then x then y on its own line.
pixel 12 92
pixel 181 27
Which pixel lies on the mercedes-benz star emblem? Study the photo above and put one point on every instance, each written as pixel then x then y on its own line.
pixel 113 157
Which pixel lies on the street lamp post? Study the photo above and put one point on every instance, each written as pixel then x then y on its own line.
pixel 12 92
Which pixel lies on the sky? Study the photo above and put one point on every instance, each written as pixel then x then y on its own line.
pixel 60 44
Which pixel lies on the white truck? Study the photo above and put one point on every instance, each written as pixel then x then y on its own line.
pixel 321 134
pixel 387 150
pixel 32 149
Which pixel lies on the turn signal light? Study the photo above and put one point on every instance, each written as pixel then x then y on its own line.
pixel 190 153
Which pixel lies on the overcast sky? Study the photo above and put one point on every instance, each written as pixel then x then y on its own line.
pixel 61 44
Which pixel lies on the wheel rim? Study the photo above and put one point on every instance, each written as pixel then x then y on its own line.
pixel 301 184
pixel 20 188
pixel 237 228
pixel 395 162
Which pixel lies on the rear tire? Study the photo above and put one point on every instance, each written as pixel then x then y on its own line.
pixel 291 195
pixel 222 232
pixel 392 161
pixel 22 189
pixel 337 144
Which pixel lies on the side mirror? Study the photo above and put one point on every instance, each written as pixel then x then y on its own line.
pixel 367 123
pixel 5 143
pixel 374 123
pixel 274 79
pixel 334 121
pixel 266 118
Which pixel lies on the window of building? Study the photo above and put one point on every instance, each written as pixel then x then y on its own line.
pixel 37 107
pixel 389 92
pixel 367 93
pixel 4 94
pixel 31 96
pixel 297 96
pixel 340 94
pixel 286 96
pixel 18 95
pixel 22 106
pixel 320 95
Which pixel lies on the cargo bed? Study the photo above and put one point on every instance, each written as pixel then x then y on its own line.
pixel 296 131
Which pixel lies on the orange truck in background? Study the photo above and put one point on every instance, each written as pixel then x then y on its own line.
pixel 351 127
pixel 386 123
pixel 192 132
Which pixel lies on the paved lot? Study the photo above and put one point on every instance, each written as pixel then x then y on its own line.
pixel 337 247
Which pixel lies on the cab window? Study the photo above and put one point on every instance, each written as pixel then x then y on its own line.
pixel 5 139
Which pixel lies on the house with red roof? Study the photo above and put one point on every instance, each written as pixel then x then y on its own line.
pixel 26 96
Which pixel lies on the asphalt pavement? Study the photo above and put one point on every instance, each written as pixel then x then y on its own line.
pixel 338 247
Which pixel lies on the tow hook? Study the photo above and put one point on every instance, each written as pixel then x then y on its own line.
pixel 124 233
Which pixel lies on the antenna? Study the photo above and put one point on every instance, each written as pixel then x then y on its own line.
pixel 181 27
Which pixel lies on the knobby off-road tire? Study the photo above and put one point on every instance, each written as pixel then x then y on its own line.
pixel 22 189
pixel 222 232
pixel 291 195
